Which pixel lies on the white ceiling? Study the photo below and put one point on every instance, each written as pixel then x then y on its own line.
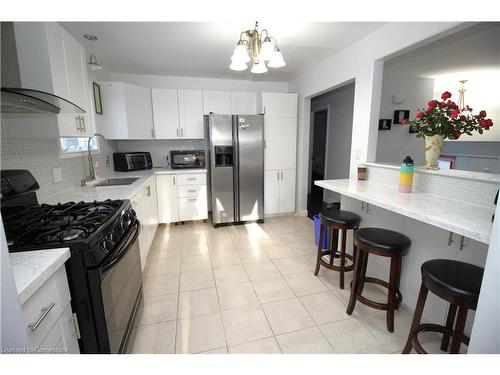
pixel 204 49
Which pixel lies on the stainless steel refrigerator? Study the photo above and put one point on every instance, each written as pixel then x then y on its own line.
pixel 236 168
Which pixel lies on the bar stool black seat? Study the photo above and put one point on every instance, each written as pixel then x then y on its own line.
pixel 456 282
pixel 334 221
pixel 381 242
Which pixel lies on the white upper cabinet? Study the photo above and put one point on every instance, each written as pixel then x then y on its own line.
pixel 191 114
pixel 50 59
pixel 127 112
pixel 243 103
pixel 279 104
pixel 165 113
pixel 218 102
pixel 139 112
pixel 280 134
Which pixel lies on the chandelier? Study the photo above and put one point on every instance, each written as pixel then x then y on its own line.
pixel 253 47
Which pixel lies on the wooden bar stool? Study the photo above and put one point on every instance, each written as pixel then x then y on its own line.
pixel 456 282
pixel 386 243
pixel 335 221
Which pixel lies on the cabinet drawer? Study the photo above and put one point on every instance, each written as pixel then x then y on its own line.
pixel 191 191
pixel 193 209
pixel 192 179
pixel 54 294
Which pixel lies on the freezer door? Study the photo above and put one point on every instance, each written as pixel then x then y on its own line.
pixel 221 168
pixel 250 154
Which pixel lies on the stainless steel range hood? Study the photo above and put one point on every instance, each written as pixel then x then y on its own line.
pixel 15 97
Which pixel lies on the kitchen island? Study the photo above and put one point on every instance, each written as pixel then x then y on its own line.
pixel 448 215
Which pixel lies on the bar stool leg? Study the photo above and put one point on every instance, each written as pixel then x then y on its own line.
pixel 392 296
pixel 400 261
pixel 459 330
pixel 320 248
pixel 355 281
pixel 417 316
pixel 450 319
pixel 334 244
pixel 364 262
pixel 342 258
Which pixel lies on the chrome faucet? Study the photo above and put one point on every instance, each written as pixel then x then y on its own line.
pixel 91 175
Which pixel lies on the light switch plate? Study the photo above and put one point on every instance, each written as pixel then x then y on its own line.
pixel 56 175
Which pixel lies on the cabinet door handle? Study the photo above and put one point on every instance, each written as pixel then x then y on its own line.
pixel 45 311
pixel 367 207
pixel 148 189
pixel 77 122
pixel 282 176
pixel 174 181
pixel 84 128
pixel 74 319
pixel 177 130
pixel 182 132
pixel 461 243
pixel 362 205
pixel 450 239
pixel 278 176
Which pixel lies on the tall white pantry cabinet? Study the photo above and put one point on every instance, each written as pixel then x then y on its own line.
pixel 280 134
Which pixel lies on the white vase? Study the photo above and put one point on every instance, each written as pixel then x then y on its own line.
pixel 433 148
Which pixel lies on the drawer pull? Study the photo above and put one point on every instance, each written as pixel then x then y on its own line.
pixel 192 179
pixel 193 199
pixel 45 311
pixel 74 319
pixel 191 191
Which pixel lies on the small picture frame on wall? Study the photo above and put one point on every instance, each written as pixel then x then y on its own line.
pixel 97 98
pixel 384 124
pixel 400 115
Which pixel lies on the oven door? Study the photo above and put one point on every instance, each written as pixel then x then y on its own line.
pixel 121 284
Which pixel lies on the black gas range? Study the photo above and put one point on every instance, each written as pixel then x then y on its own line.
pixel 104 270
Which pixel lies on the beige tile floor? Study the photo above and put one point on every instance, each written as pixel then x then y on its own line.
pixel 251 289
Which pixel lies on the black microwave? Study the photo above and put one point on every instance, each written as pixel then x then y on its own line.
pixel 187 159
pixel 132 161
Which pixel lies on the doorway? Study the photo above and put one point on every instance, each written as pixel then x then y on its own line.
pixel 318 159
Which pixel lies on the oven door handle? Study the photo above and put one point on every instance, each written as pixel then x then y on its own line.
pixel 124 248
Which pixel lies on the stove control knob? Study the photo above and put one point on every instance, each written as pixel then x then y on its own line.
pixel 112 239
pixel 106 245
pixel 131 215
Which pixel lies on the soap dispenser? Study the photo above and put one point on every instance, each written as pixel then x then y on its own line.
pixel 406 175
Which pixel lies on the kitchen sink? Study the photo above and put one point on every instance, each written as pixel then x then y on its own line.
pixel 117 181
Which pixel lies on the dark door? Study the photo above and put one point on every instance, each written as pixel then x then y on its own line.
pixel 315 197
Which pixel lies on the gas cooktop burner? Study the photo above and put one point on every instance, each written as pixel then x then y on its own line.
pixel 45 224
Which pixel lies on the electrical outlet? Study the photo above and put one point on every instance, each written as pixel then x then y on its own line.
pixel 56 175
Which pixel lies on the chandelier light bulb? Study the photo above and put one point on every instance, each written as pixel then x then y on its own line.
pixel 238 66
pixel 240 54
pixel 267 49
pixel 277 60
pixel 259 68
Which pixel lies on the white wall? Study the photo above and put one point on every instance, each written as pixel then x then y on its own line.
pixel 360 61
pixel 393 145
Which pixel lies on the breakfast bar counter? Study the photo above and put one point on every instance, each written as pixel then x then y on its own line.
pixel 461 217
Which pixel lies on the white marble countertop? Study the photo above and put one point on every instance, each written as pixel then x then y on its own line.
pixel 452 173
pixel 90 193
pixel 466 219
pixel 32 269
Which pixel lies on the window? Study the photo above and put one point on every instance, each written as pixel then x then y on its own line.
pixel 73 147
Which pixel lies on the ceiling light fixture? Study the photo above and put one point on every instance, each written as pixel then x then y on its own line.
pixel 92 64
pixel 252 46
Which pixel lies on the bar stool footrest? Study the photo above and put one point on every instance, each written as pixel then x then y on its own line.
pixel 377 305
pixel 349 267
pixel 431 327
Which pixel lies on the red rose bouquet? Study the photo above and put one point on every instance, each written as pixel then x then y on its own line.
pixel 444 118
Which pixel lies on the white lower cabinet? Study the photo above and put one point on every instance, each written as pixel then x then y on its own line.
pixel 145 205
pixel 182 197
pixel 51 325
pixel 279 191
